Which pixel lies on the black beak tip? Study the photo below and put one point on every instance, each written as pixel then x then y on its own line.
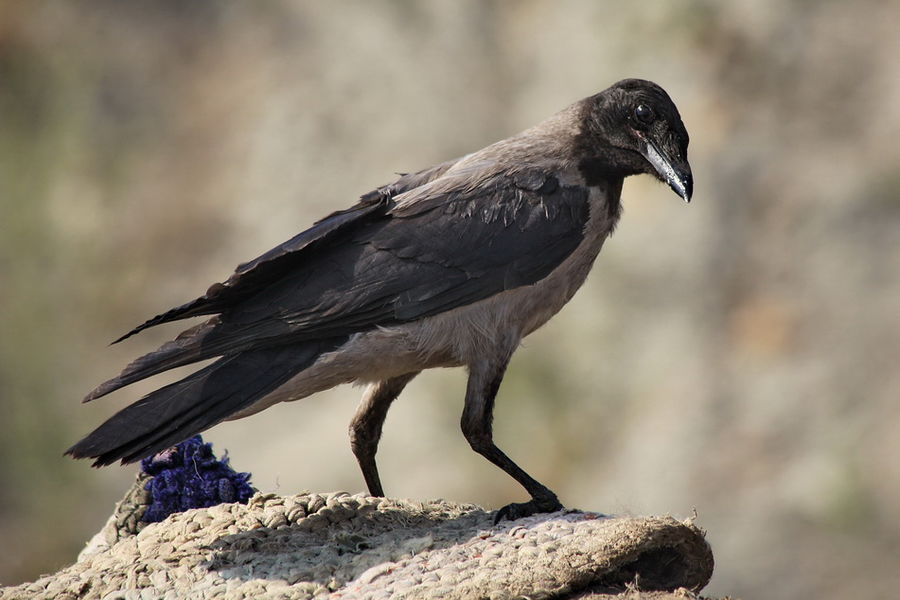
pixel 688 184
pixel 676 173
pixel 682 183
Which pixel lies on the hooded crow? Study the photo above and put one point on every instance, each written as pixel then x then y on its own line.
pixel 450 266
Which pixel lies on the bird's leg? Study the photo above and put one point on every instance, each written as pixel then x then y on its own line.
pixel 365 428
pixel 484 381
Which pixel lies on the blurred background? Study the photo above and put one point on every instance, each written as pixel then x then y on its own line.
pixel 738 356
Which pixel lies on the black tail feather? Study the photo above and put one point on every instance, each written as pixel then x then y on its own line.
pixel 193 308
pixel 183 350
pixel 252 276
pixel 180 410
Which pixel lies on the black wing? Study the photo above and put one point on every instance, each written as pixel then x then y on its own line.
pixel 403 262
pixel 254 275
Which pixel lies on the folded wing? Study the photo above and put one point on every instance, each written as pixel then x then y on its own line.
pixel 386 261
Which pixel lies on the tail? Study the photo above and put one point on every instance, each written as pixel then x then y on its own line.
pixel 180 410
pixel 206 340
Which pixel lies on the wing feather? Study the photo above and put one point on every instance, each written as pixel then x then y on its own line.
pixel 399 262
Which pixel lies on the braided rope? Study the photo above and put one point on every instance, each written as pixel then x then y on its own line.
pixel 359 547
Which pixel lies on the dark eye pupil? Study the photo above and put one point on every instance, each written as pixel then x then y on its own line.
pixel 643 113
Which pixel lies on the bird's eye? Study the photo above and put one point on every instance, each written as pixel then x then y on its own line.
pixel 643 113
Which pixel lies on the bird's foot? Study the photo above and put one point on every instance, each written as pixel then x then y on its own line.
pixel 519 510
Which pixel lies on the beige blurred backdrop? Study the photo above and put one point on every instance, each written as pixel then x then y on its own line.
pixel 737 356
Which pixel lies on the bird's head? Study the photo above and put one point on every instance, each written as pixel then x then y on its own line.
pixel 634 127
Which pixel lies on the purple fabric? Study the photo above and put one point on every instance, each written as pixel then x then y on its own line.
pixel 189 476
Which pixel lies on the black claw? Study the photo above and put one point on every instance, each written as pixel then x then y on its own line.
pixel 519 510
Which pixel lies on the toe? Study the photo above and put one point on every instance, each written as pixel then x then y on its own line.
pixel 526 509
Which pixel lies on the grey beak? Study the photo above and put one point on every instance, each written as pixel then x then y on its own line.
pixel 679 177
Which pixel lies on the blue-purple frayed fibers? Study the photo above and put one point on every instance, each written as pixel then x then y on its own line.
pixel 190 476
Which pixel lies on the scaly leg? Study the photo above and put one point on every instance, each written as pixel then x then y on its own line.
pixel 484 381
pixel 365 428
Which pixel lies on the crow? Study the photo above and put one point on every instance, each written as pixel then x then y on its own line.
pixel 446 267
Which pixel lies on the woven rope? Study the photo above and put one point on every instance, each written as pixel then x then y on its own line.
pixel 342 546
